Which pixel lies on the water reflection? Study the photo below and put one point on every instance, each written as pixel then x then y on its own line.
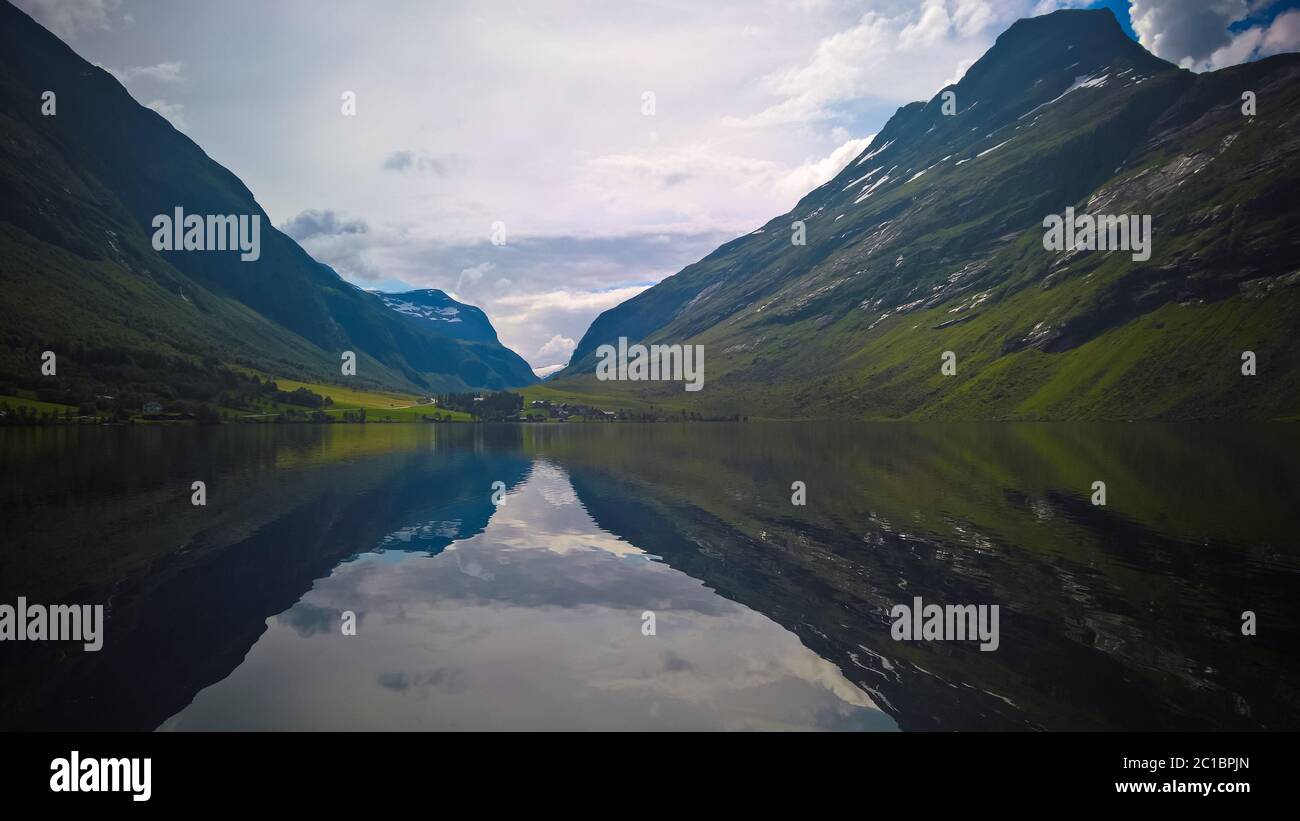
pixel 533 623
pixel 528 615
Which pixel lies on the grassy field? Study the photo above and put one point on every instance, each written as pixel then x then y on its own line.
pixel 351 398
pixel 16 402
pixel 624 397
pixel 379 405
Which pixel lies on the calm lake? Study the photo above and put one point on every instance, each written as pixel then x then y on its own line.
pixel 533 613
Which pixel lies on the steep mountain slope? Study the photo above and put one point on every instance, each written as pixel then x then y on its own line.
pixel 932 240
pixel 79 272
pixel 430 308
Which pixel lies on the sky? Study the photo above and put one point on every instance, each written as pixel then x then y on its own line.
pixel 608 144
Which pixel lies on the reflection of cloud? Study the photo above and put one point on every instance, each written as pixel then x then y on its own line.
pixel 450 680
pixel 674 663
pixel 548 637
pixel 310 620
pixel 552 483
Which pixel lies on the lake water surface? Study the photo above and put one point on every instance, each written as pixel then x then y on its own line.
pixel 532 613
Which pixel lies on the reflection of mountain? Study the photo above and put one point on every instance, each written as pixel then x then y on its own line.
pixel 1118 617
pixel 189 619
pixel 533 623
pixel 1107 622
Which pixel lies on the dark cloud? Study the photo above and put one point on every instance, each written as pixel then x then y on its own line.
pixel 674 663
pixel 403 161
pixel 1211 34
pixel 450 680
pixel 1186 29
pixel 313 223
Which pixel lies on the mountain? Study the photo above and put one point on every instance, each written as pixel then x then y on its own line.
pixel 932 240
pixel 431 308
pixel 449 317
pixel 79 274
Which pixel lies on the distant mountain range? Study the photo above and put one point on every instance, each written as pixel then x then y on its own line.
pixel 932 241
pixel 79 274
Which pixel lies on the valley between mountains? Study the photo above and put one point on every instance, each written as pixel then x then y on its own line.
pixel 927 244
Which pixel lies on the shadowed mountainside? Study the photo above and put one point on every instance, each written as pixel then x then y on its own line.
pixel 79 275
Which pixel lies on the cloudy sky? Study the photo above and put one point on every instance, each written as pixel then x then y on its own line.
pixel 537 115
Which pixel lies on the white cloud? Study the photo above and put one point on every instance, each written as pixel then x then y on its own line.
pixel 959 72
pixel 1049 6
pixel 170 72
pixel 69 18
pixel 895 54
pixel 520 319
pixel 932 26
pixel 141 78
pixel 662 174
pixel 970 17
pixel 577 301
pixel 806 177
pixel 1255 42
pixel 470 276
pixel 557 346
pixel 173 112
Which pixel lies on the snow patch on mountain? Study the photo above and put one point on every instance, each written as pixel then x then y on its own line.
pixel 1081 81
pixel 874 153
pixel 444 314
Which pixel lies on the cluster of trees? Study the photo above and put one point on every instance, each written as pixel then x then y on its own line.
pixel 117 384
pixel 301 397
pixel 697 417
pixel 436 417
pixel 485 406
pixel 25 415
pixel 358 416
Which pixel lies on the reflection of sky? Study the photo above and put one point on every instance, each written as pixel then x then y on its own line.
pixel 533 624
